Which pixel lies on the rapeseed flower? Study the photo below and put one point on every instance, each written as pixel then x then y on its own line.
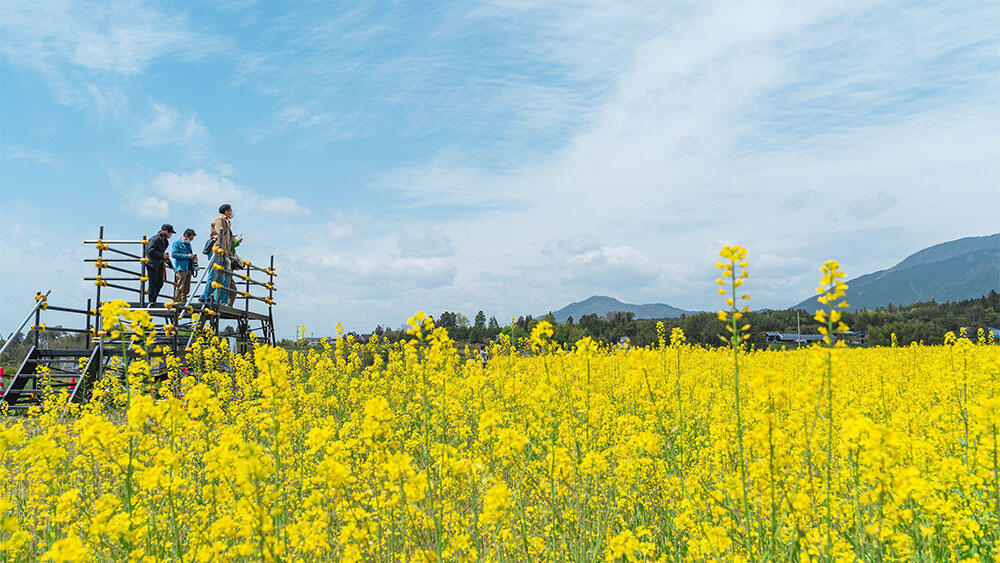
pixel 410 451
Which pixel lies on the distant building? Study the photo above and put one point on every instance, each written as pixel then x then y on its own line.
pixel 318 340
pixel 852 337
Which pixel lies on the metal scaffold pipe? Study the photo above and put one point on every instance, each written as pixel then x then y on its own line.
pixel 38 303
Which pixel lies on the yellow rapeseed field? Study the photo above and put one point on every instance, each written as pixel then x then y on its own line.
pixel 408 452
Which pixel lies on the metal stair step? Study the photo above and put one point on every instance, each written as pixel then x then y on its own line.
pixel 53 376
pixel 64 353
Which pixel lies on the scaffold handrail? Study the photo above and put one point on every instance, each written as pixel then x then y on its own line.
pixel 101 241
pixel 239 287
pixel 267 285
pixel 38 303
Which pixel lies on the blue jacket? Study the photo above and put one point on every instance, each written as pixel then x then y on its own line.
pixel 180 252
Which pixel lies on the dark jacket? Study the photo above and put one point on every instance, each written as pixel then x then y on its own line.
pixel 181 252
pixel 155 248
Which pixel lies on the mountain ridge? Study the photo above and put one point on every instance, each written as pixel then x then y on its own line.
pixel 960 269
pixel 603 304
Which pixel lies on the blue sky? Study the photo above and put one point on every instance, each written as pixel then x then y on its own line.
pixel 506 156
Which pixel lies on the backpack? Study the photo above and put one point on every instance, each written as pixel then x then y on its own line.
pixel 208 247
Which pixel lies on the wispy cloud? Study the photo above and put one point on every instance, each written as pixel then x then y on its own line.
pixel 95 56
pixel 151 207
pixel 206 189
pixel 367 69
pixel 168 126
pixel 430 243
pixel 708 117
pixel 68 42
pixel 17 152
pixel 281 206
pixel 871 206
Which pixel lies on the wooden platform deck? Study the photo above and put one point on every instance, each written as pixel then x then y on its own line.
pixel 223 311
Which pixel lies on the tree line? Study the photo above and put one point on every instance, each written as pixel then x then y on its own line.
pixel 925 322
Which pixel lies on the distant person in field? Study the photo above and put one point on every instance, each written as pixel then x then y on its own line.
pixel 184 258
pixel 158 257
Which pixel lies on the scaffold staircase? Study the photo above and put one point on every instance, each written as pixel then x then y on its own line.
pixel 47 366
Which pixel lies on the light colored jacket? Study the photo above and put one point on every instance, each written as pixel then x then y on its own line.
pixel 222 232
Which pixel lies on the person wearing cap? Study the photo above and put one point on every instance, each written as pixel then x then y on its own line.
pixel 157 255
pixel 183 256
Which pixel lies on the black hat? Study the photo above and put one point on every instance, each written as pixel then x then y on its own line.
pixel 168 227
pixel 189 232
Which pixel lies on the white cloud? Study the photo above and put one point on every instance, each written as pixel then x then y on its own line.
pixel 114 37
pixel 151 207
pixel 31 243
pixel 610 267
pixel 578 244
pixel 108 102
pixel 371 275
pixel 871 207
pixel 715 131
pixel 17 152
pixel 169 127
pixel 197 187
pixel 798 200
pixel 93 55
pixel 430 243
pixel 282 205
pixel 202 188
pixel 341 226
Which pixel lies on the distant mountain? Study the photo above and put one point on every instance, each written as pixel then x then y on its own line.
pixel 950 271
pixel 602 304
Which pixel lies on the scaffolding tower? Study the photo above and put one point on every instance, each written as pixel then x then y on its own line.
pixel 122 273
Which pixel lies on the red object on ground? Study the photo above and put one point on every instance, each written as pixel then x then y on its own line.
pixel 72 382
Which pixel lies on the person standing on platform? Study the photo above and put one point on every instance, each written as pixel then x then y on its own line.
pixel 157 258
pixel 184 257
pixel 222 235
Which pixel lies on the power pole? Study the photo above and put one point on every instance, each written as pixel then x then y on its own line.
pixel 798 330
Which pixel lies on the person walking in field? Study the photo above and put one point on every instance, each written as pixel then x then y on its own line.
pixel 157 258
pixel 184 257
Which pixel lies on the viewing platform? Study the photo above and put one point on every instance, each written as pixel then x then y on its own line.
pixel 122 273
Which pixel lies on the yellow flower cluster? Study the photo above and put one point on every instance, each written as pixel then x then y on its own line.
pixel 733 276
pixel 410 452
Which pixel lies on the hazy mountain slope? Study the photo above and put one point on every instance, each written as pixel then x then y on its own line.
pixel 951 271
pixel 602 304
